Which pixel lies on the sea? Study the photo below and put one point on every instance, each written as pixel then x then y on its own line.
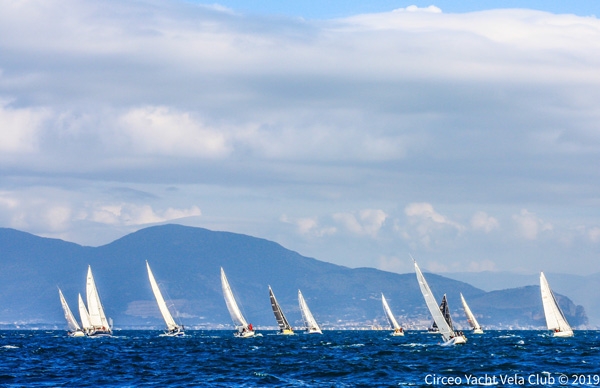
pixel 345 358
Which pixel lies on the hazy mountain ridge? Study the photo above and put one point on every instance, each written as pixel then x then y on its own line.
pixel 186 263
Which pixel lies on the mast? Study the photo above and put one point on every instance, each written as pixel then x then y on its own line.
pixel 97 316
pixel 555 319
pixel 234 310
pixel 71 321
pixel 164 310
pixel 445 330
pixel 279 316
pixel 388 314
pixel 309 320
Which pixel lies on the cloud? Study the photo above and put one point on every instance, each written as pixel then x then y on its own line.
pixel 427 227
pixel 366 222
pixel 414 8
pixel 594 234
pixel 481 221
pixel 20 129
pixel 133 214
pixel 163 131
pixel 529 225
pixel 308 226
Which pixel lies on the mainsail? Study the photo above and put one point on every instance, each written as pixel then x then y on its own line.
pixel 555 319
pixel 309 320
pixel 236 315
pixel 84 315
pixel 97 318
pixel 470 316
pixel 164 310
pixel 71 321
pixel 389 315
pixel 444 329
pixel 445 309
pixel 284 325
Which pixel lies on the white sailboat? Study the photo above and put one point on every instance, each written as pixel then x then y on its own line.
pixel 284 326
pixel 312 327
pixel 85 316
pixel 173 329
pixel 449 336
pixel 98 321
pixel 398 331
pixel 74 328
pixel 555 319
pixel 244 329
pixel 471 317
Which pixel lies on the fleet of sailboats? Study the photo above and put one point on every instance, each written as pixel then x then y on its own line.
pixel 94 321
pixel 284 326
pixel 398 331
pixel 471 317
pixel 312 327
pixel 173 329
pixel 244 330
pixel 555 319
pixel 450 337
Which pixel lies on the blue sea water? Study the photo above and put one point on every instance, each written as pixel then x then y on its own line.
pixel 334 359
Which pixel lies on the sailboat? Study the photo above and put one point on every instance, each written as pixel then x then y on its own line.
pixel 470 317
pixel 244 330
pixel 555 319
pixel 312 327
pixel 98 321
pixel 448 334
pixel 284 326
pixel 173 329
pixel 398 331
pixel 74 328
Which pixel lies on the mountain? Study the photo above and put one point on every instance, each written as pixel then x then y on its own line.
pixel 186 263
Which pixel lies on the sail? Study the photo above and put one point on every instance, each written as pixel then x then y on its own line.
pixel 432 305
pixel 388 314
pixel 97 317
pixel 309 320
pixel 71 321
pixel 470 317
pixel 84 315
pixel 164 310
pixel 555 318
pixel 279 316
pixel 445 309
pixel 234 310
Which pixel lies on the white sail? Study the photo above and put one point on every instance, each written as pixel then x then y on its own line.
pixel 71 321
pixel 309 321
pixel 84 315
pixel 236 315
pixel 555 319
pixel 434 310
pixel 97 317
pixel 164 310
pixel 470 316
pixel 391 319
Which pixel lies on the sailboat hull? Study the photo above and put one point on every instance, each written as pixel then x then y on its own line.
pixel 398 333
pixel 178 333
pixel 286 332
pixel 562 334
pixel 77 334
pixel 477 331
pixel 245 334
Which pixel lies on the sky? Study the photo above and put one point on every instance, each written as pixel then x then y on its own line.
pixel 465 134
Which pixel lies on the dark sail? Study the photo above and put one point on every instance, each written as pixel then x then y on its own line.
pixel 281 320
pixel 446 312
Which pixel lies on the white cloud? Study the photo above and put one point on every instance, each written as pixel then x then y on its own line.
pixel 309 226
pixel 481 221
pixel 162 131
pixel 20 129
pixel 529 225
pixel 133 214
pixel 366 222
pixel 594 234
pixel 414 8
